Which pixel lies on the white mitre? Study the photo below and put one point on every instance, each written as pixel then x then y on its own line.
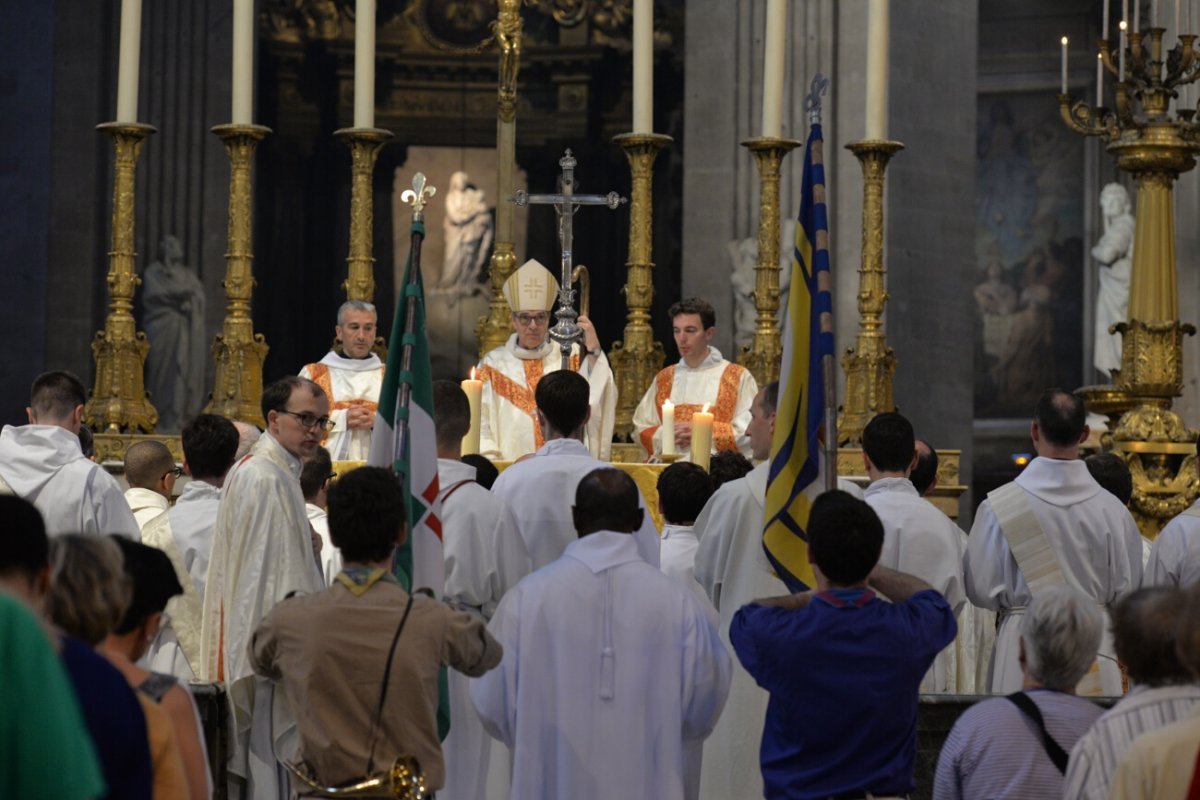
pixel 531 288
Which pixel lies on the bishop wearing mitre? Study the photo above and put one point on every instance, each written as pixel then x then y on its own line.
pixel 508 427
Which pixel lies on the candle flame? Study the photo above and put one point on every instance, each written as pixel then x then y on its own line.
pixel 1064 41
pixel 1123 26
pixel 668 404
pixel 472 373
pixel 705 409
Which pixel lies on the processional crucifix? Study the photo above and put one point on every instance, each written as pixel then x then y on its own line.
pixel 565 332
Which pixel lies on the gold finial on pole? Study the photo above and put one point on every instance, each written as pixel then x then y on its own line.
pixel 364 144
pixel 418 195
pixel 870 365
pixel 637 358
pixel 238 351
pixel 118 402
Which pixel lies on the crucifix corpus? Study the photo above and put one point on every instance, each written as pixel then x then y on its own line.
pixel 566 203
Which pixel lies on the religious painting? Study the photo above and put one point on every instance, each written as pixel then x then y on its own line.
pixel 1029 227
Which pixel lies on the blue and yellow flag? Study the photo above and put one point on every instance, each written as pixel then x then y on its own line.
pixel 794 477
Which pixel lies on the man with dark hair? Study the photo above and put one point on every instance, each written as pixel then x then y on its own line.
pixel 841 665
pixel 185 534
pixel 918 538
pixel 701 378
pixel 1164 689
pixel 150 472
pixel 485 557
pixel 485 471
pixel 539 489
pixel 683 491
pixel 358 662
pixel 42 462
pixel 1174 558
pixel 1112 473
pixel 510 373
pixel 1045 529
pixel 315 477
pixel 726 466
pixel 924 474
pixel 87 442
pixel 606 700
pixel 263 550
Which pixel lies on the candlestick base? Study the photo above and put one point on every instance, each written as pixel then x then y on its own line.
pixel 668 458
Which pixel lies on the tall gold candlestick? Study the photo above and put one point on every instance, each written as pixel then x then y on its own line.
pixel 637 358
pixel 493 328
pixel 765 352
pixel 238 351
pixel 870 365
pixel 119 402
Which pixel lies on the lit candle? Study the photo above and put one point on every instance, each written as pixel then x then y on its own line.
pixel 702 422
pixel 773 57
pixel 242 80
pixel 1121 69
pixel 877 69
pixel 474 390
pixel 1099 80
pixel 668 428
pixel 1064 65
pixel 128 61
pixel 643 66
pixel 364 64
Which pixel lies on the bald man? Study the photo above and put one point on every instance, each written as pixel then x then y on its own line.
pixel 150 472
pixel 247 438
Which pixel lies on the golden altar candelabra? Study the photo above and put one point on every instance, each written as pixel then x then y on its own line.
pixel 238 351
pixel 119 402
pixel 1155 148
pixel 637 357
pixel 765 352
pixel 493 328
pixel 870 365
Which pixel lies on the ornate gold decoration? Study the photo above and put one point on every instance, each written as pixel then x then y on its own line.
pixel 1155 147
pixel 119 401
pixel 111 447
pixel 637 357
pixel 493 329
pixel 870 365
pixel 238 351
pixel 945 496
pixel 403 780
pixel 765 352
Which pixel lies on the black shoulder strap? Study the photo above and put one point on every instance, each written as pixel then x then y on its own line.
pixel 377 721
pixel 1030 709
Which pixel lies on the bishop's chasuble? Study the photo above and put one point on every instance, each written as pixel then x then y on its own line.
pixel 508 426
pixel 350 383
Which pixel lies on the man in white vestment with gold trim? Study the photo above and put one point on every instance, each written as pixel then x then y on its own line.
pixel 352 381
pixel 1052 526
pixel 508 413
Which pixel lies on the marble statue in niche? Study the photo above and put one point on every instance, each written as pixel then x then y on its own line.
pixel 468 230
pixel 173 303
pixel 1114 252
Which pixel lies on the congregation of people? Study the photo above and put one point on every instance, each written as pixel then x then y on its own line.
pixel 576 649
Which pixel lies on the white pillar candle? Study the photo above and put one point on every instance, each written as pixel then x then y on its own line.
pixel 668 428
pixel 1064 65
pixel 364 64
pixel 474 391
pixel 1104 26
pixel 128 60
pixel 242 81
pixel 643 66
pixel 1153 13
pixel 773 60
pixel 702 422
pixel 877 69
pixel 1099 80
pixel 1121 68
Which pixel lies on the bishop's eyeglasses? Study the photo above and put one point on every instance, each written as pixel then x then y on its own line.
pixel 525 320
pixel 308 420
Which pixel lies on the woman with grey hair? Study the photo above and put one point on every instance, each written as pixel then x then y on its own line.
pixel 1016 746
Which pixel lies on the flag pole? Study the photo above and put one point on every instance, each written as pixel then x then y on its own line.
pixel 415 197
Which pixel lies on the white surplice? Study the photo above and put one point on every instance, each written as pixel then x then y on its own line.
pixel 609 668
pixel 1175 555
pixel 44 465
pixel 1098 549
pixel 485 558
pixel 185 534
pixel 921 541
pixel 677 559
pixel 508 419
pixel 145 505
pixel 331 556
pixel 348 382
pixel 695 387
pixel 262 551
pixel 541 491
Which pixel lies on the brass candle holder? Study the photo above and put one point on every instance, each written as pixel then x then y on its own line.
pixel 870 365
pixel 637 357
pixel 238 351
pixel 1155 147
pixel 118 402
pixel 765 352
pixel 493 329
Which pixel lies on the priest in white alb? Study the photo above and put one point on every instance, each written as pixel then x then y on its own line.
pixel 185 534
pixel 702 377
pixel 1052 526
pixel 510 373
pixel 262 552
pixel 352 380
pixel 610 668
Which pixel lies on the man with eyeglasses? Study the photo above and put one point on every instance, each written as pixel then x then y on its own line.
pixel 263 551
pixel 150 472
pixel 508 417
pixel 352 380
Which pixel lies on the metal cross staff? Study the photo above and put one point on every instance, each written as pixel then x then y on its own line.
pixel 566 203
